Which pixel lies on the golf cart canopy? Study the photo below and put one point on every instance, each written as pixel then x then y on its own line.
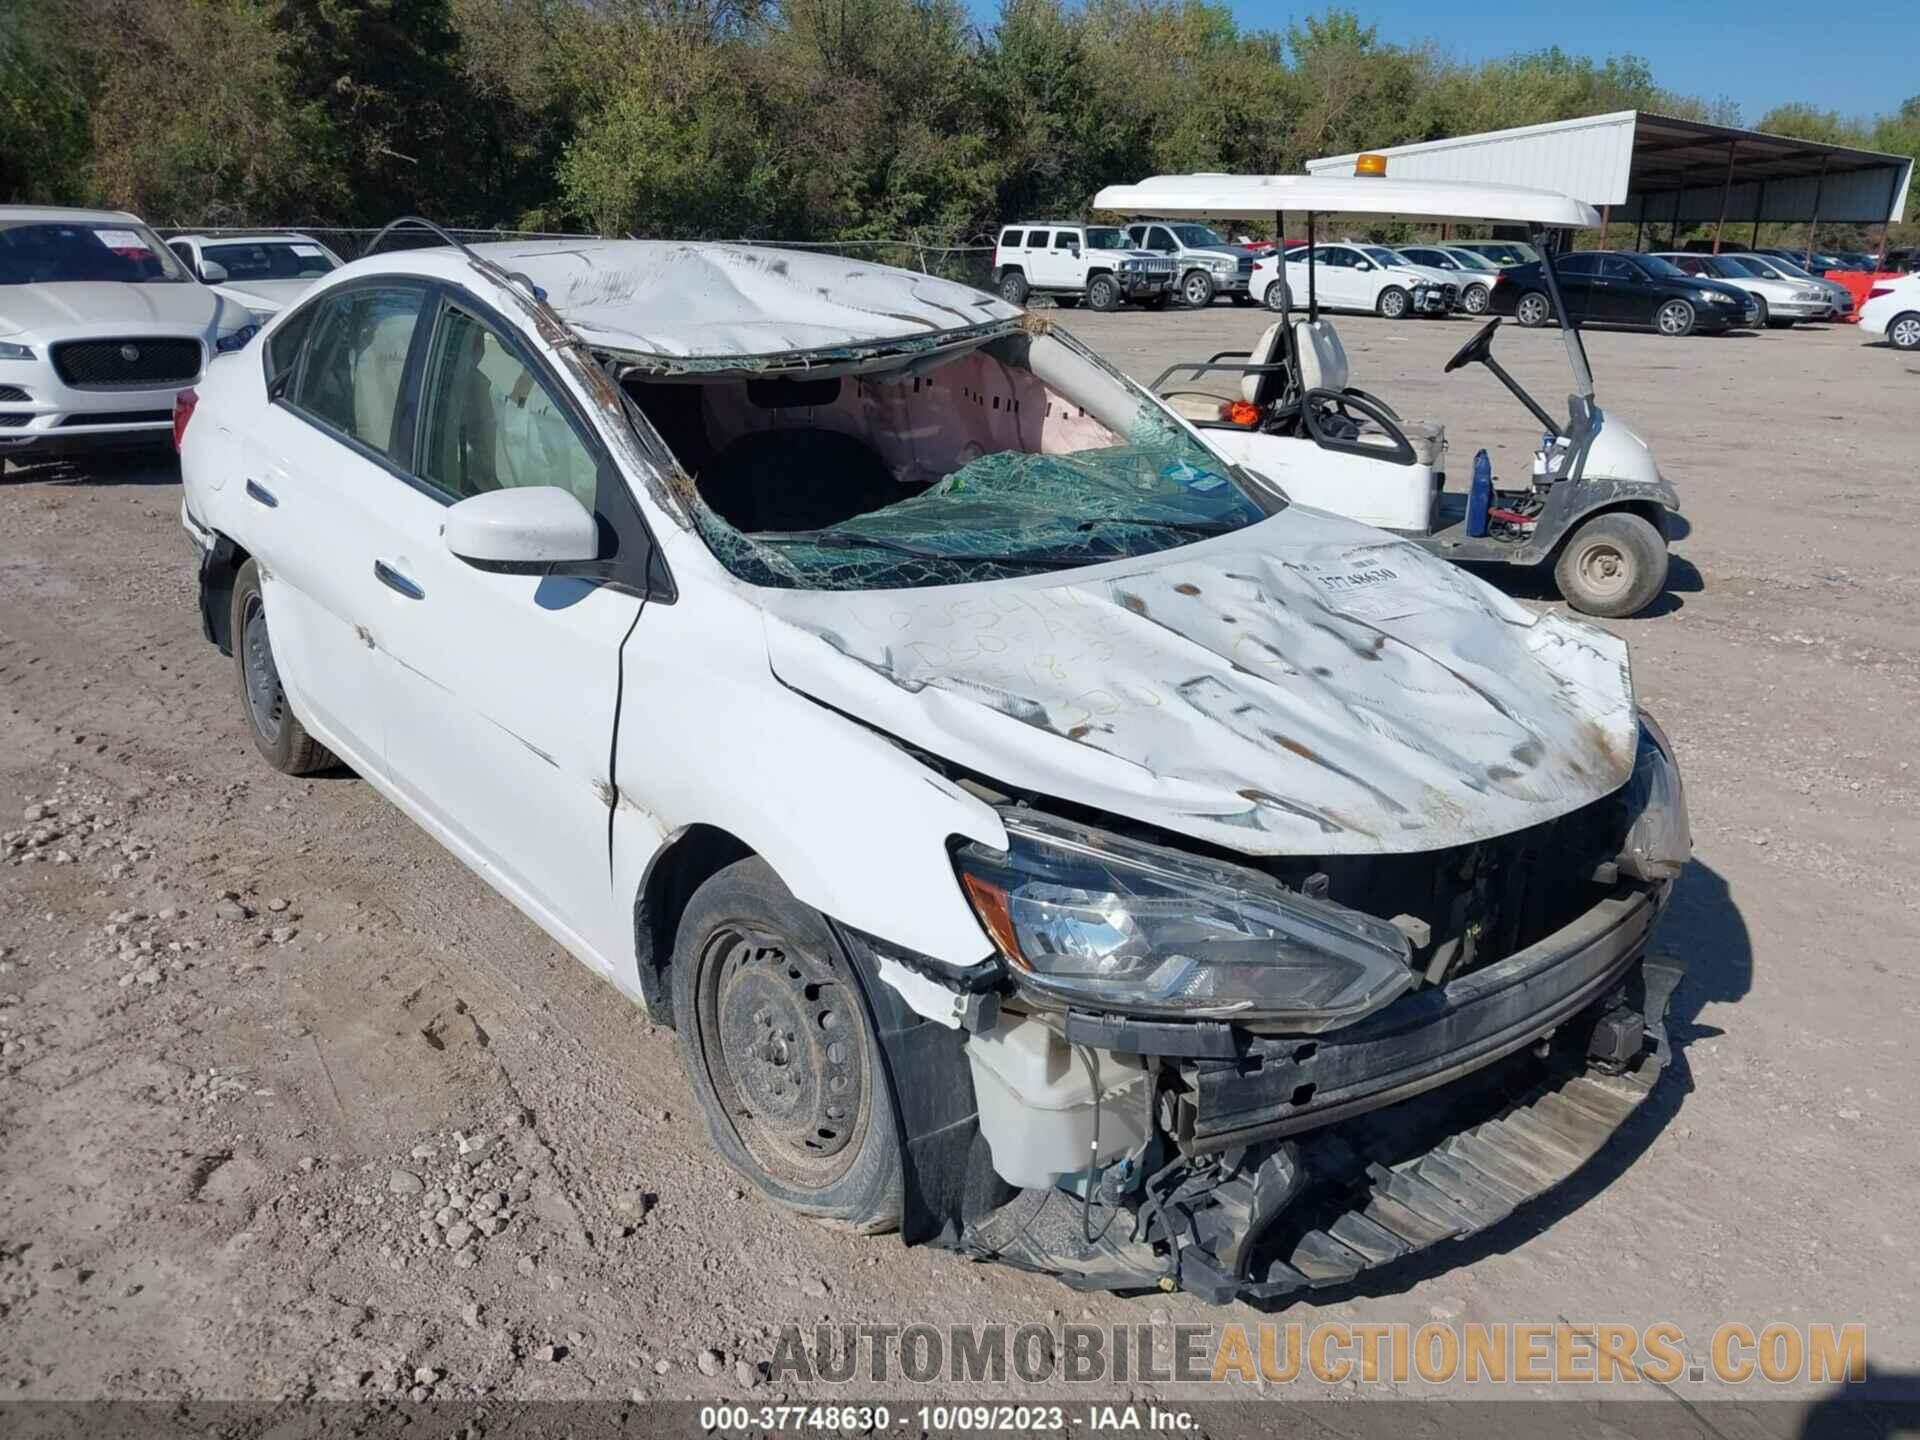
pixel 1260 197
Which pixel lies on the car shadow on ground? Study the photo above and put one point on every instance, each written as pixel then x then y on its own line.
pixel 1881 1405
pixel 1702 926
pixel 145 466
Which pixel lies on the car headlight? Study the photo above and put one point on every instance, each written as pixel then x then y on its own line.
pixel 11 351
pixel 1088 918
pixel 1659 834
pixel 1221 267
pixel 1712 297
pixel 227 344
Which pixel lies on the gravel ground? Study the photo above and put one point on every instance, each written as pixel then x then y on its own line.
pixel 292 1105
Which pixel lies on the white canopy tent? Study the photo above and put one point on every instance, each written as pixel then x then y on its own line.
pixel 1260 197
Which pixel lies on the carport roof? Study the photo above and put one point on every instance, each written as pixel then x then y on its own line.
pixel 1662 167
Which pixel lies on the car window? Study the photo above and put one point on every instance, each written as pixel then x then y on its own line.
pixel 184 251
pixel 283 345
pixel 1010 239
pixel 1065 239
pixel 1614 268
pixel 271 260
pixel 1658 268
pixel 1380 255
pixel 490 423
pixel 1336 256
pixel 1692 264
pixel 1159 239
pixel 357 359
pixel 1104 237
pixel 1582 265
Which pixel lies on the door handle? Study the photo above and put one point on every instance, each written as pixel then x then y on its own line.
pixel 259 492
pixel 394 580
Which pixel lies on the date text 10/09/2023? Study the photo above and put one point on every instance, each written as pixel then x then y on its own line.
pixel 940 1419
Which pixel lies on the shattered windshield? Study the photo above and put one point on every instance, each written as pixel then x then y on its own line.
pixel 1019 456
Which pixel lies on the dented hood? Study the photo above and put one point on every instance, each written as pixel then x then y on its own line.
pixel 1305 686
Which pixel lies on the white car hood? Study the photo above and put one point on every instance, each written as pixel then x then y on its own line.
pixel 1307 686
pixel 266 296
pixel 95 306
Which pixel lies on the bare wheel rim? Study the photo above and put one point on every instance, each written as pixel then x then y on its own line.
pixel 1393 304
pixel 786 1048
pixel 1533 310
pixel 1605 570
pixel 266 700
pixel 1198 290
pixel 1906 332
pixel 1476 301
pixel 1674 317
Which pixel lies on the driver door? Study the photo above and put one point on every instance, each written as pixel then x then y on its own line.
pixel 1622 292
pixel 1577 274
pixel 1341 282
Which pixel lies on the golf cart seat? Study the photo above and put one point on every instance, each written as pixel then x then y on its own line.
pixel 1323 366
pixel 1264 383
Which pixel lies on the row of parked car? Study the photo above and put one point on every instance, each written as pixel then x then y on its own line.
pixel 1153 263
pixel 102 323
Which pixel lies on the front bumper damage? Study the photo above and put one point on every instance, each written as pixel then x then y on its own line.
pixel 1279 1164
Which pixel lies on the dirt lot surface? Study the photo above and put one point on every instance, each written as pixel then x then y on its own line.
pixel 248 1022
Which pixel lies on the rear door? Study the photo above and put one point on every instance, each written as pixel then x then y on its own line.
pixel 1577 274
pixel 504 687
pixel 318 466
pixel 1035 259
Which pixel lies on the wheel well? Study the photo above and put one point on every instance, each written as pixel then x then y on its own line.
pixel 217 575
pixel 689 860
pixel 1651 511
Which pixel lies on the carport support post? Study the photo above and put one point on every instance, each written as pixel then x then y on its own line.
pixel 1606 223
pixel 1640 226
pixel 1759 208
pixel 1726 194
pixel 1819 189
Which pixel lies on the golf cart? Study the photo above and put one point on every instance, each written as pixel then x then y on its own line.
pixel 1594 506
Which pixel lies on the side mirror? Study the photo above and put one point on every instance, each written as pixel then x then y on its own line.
pixel 213 272
pixel 528 525
pixel 1074 249
pixel 1363 265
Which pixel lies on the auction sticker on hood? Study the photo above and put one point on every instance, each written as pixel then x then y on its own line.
pixel 1370 592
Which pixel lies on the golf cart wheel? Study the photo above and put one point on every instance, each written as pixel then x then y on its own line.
pixel 1533 310
pixel 1612 566
pixel 1276 297
pixel 1103 293
pixel 277 733
pixel 1393 303
pixel 1674 318
pixel 781 1053
pixel 1013 288
pixel 1904 332
pixel 1196 290
pixel 1476 300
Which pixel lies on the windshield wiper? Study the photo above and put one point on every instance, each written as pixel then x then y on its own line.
pixel 1189 527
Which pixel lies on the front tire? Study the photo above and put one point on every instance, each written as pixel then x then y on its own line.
pixel 1675 318
pixel 1103 293
pixel 1196 290
pixel 1904 332
pixel 1393 303
pixel 780 1050
pixel 1533 310
pixel 1013 288
pixel 283 742
pixel 1612 566
pixel 1476 300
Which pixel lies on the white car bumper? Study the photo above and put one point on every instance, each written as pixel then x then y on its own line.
pixel 73 393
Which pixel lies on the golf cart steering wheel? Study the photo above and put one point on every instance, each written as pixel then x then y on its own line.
pixel 1476 349
pixel 1318 407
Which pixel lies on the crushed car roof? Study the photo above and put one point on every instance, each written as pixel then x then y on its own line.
pixel 737 302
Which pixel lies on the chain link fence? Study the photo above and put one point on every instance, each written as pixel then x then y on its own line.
pixel 967 264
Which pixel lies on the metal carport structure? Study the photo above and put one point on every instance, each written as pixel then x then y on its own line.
pixel 1655 170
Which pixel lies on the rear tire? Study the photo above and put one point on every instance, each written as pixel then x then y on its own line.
pixel 1276 297
pixel 1533 310
pixel 780 1050
pixel 1612 565
pixel 1904 332
pixel 283 742
pixel 1103 293
pixel 1766 311
pixel 1476 300
pixel 1196 290
pixel 1013 288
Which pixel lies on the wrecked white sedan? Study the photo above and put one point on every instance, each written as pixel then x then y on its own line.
pixel 1044 838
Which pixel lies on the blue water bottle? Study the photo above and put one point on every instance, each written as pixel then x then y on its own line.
pixel 1479 495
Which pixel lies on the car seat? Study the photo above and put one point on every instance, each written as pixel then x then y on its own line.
pixel 1260 386
pixel 1323 366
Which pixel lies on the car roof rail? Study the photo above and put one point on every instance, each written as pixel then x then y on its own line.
pixel 555 329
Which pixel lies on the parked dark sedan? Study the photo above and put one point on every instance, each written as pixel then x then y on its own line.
pixel 1616 287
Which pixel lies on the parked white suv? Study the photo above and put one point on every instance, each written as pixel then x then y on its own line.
pixel 1892 309
pixel 1358 277
pixel 1015 806
pixel 1069 261
pixel 100 327
pixel 265 273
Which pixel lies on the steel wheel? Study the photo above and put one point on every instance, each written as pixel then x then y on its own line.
pixel 1533 310
pixel 1605 573
pixel 1674 318
pixel 786 1049
pixel 1904 333
pixel 1476 300
pixel 266 700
